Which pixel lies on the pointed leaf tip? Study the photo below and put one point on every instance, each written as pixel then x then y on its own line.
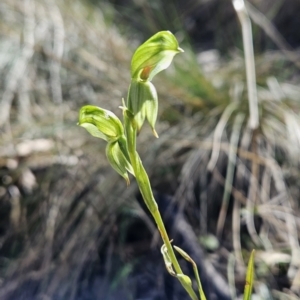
pixel 249 277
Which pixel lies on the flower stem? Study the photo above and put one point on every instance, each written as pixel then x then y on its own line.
pixel 146 191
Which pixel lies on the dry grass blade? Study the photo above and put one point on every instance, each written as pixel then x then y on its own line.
pixel 18 72
pixel 45 78
pixel 261 20
pixel 218 134
pixel 234 139
pixel 242 13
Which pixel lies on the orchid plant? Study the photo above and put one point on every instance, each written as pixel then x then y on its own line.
pixel 152 57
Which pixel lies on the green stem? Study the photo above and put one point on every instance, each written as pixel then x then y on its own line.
pixel 146 191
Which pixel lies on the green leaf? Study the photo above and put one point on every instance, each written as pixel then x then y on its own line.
pixel 185 279
pixel 100 122
pixel 187 284
pixel 249 277
pixel 155 55
pixel 189 259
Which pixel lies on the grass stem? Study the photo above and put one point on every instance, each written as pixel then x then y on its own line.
pixel 239 6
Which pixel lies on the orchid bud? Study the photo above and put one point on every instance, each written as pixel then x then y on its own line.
pixel 100 123
pixel 154 56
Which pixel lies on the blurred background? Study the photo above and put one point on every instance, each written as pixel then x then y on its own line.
pixel 69 226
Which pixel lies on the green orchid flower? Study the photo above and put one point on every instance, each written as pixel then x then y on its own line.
pixel 100 123
pixel 153 56
pixel 104 124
